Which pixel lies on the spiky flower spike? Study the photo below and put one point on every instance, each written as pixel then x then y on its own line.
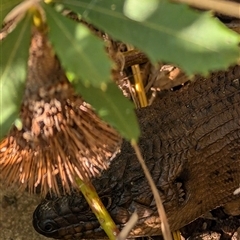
pixel 61 137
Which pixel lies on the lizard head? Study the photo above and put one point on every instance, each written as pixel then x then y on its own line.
pixel 69 217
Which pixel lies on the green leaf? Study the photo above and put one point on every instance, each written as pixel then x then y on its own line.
pixel 170 32
pixel 13 72
pixel 6 6
pixel 112 107
pixel 139 12
pixel 80 52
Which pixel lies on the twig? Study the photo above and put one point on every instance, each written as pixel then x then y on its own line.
pixel 98 209
pixel 221 6
pixel 138 82
pixel 128 227
pixel 164 223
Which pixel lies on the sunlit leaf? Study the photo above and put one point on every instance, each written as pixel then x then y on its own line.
pixel 174 33
pixel 13 71
pixel 112 107
pixel 140 12
pixel 80 52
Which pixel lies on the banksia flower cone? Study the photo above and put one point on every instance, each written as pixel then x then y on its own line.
pixel 62 138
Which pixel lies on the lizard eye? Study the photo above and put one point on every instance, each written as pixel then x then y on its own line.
pixel 107 201
pixel 49 226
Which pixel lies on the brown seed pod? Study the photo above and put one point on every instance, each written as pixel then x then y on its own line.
pixel 62 137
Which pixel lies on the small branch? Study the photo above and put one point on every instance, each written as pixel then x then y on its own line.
pixel 98 209
pixel 128 227
pixel 221 6
pixel 162 214
pixel 138 82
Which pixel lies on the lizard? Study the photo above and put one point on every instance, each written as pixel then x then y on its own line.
pixel 190 141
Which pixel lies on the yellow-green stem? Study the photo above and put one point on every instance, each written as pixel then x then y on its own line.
pixel 98 208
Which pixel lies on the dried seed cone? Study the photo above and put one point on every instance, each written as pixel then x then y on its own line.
pixel 61 138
